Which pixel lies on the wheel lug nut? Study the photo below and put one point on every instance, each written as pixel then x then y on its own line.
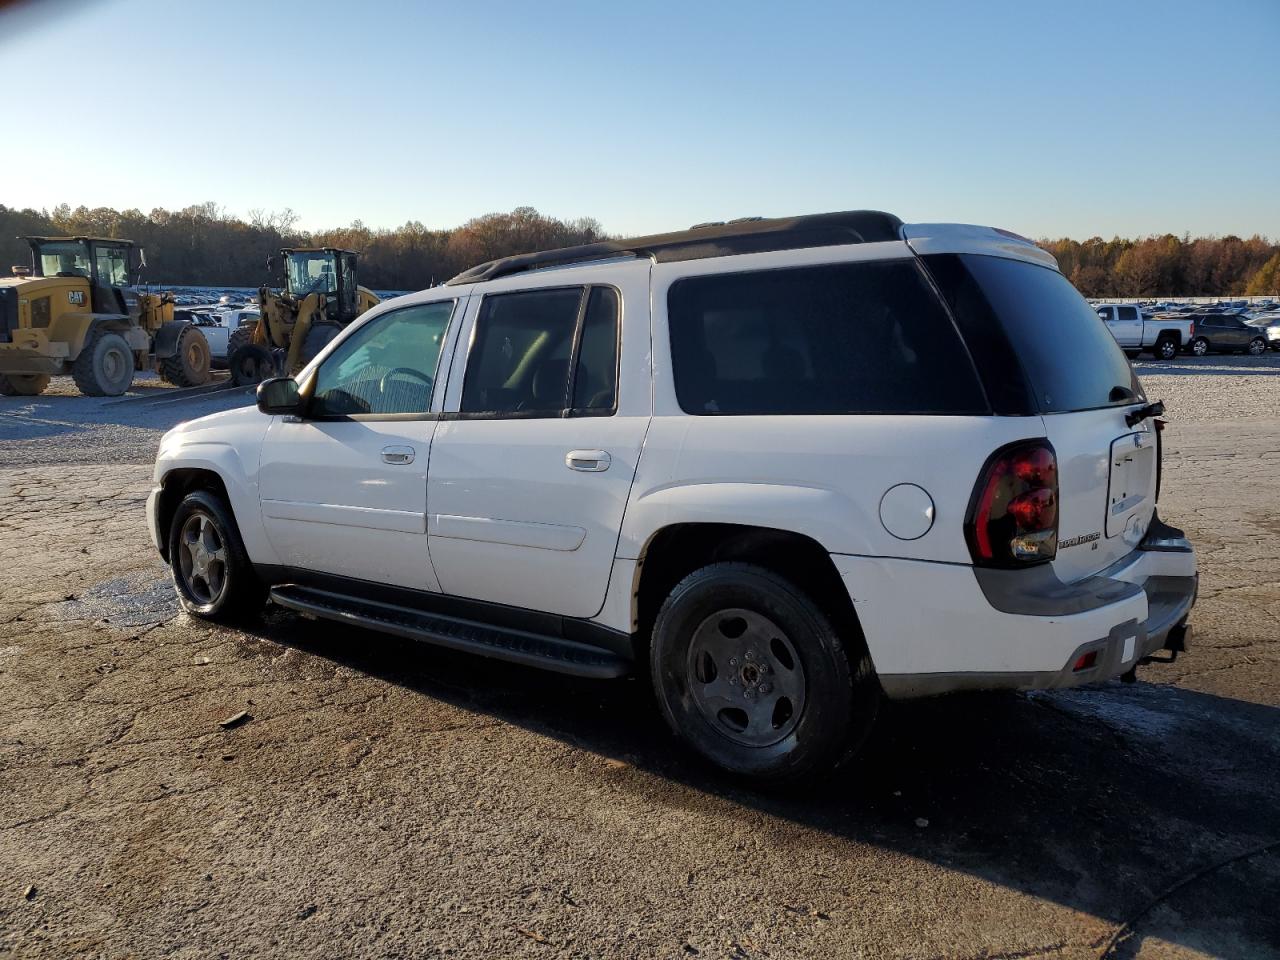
pixel 733 661
pixel 751 654
pixel 748 693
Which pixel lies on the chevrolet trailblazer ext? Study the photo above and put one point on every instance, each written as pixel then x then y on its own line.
pixel 786 466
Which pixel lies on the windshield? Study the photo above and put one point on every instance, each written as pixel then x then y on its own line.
pixel 63 258
pixel 311 273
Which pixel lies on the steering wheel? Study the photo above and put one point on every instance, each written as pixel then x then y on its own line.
pixel 409 371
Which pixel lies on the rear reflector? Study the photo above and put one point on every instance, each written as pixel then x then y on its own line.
pixel 1085 661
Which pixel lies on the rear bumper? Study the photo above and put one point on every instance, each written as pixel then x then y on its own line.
pixel 938 628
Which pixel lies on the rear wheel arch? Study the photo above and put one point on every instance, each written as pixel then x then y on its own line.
pixel 673 552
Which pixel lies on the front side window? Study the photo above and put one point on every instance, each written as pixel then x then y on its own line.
pixel 542 353
pixel 835 339
pixel 387 366
pixel 64 259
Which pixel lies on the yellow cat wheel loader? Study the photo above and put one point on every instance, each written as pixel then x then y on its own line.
pixel 74 311
pixel 319 296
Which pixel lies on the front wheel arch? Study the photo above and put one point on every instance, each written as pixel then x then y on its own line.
pixel 174 488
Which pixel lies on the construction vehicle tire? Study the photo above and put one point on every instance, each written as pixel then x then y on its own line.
pixel 191 361
pixel 318 337
pixel 251 363
pixel 104 367
pixel 23 384
pixel 240 336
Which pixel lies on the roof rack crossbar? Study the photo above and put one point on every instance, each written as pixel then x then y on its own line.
pixel 744 235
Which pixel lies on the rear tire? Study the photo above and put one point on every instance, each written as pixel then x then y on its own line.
pixel 1166 349
pixel 191 361
pixel 318 337
pixel 1257 347
pixel 1199 346
pixel 23 384
pixel 104 367
pixel 212 573
pixel 751 673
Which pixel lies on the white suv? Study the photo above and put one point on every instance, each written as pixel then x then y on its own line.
pixel 787 467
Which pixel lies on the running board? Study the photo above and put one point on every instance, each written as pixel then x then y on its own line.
pixel 502 643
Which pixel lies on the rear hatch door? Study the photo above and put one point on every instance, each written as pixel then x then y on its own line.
pixel 1058 360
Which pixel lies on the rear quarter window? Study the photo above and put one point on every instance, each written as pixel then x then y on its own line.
pixel 854 338
pixel 1040 346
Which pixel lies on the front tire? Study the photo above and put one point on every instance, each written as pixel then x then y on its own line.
pixel 23 384
pixel 750 672
pixel 212 573
pixel 104 367
pixel 1199 346
pixel 1257 347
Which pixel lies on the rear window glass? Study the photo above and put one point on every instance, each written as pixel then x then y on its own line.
pixel 1068 356
pixel 832 339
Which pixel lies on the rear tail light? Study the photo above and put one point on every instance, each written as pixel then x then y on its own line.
pixel 1191 329
pixel 1013 516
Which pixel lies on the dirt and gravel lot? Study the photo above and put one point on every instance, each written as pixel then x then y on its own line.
pixel 391 800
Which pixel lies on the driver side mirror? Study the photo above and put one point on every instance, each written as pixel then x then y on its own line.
pixel 280 396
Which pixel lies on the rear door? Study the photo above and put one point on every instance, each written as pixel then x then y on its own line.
pixel 1082 385
pixel 546 412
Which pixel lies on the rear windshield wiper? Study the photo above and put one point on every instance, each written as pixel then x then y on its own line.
pixel 1135 417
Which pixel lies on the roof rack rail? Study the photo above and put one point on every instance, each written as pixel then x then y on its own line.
pixel 745 235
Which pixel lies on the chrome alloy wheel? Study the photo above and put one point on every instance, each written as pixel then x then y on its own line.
pixel 202 559
pixel 745 677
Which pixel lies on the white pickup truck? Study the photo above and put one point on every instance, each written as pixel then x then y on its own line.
pixel 1163 337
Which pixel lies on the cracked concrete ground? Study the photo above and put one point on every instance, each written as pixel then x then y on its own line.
pixel 391 800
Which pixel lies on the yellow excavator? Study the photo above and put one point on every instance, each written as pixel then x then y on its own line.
pixel 319 296
pixel 75 311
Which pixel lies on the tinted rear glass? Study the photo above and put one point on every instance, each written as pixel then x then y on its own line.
pixel 833 339
pixel 1068 356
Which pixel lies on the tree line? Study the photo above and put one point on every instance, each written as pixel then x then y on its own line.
pixel 203 245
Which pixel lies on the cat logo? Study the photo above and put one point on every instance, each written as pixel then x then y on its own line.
pixel 75 298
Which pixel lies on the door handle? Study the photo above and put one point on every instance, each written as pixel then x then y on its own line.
pixel 397 454
pixel 588 461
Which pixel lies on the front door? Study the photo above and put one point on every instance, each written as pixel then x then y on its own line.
pixel 530 476
pixel 344 488
pixel 1128 326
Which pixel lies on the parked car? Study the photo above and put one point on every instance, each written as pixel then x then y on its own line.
pixel 1164 336
pixel 1269 324
pixel 786 467
pixel 1226 333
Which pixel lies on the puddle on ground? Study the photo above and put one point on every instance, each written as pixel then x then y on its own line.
pixel 137 600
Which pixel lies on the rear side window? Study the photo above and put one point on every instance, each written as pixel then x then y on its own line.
pixel 544 353
pixel 1039 344
pixel 1129 313
pixel 834 339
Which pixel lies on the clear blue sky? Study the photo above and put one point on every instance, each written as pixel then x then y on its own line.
pixel 1066 118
